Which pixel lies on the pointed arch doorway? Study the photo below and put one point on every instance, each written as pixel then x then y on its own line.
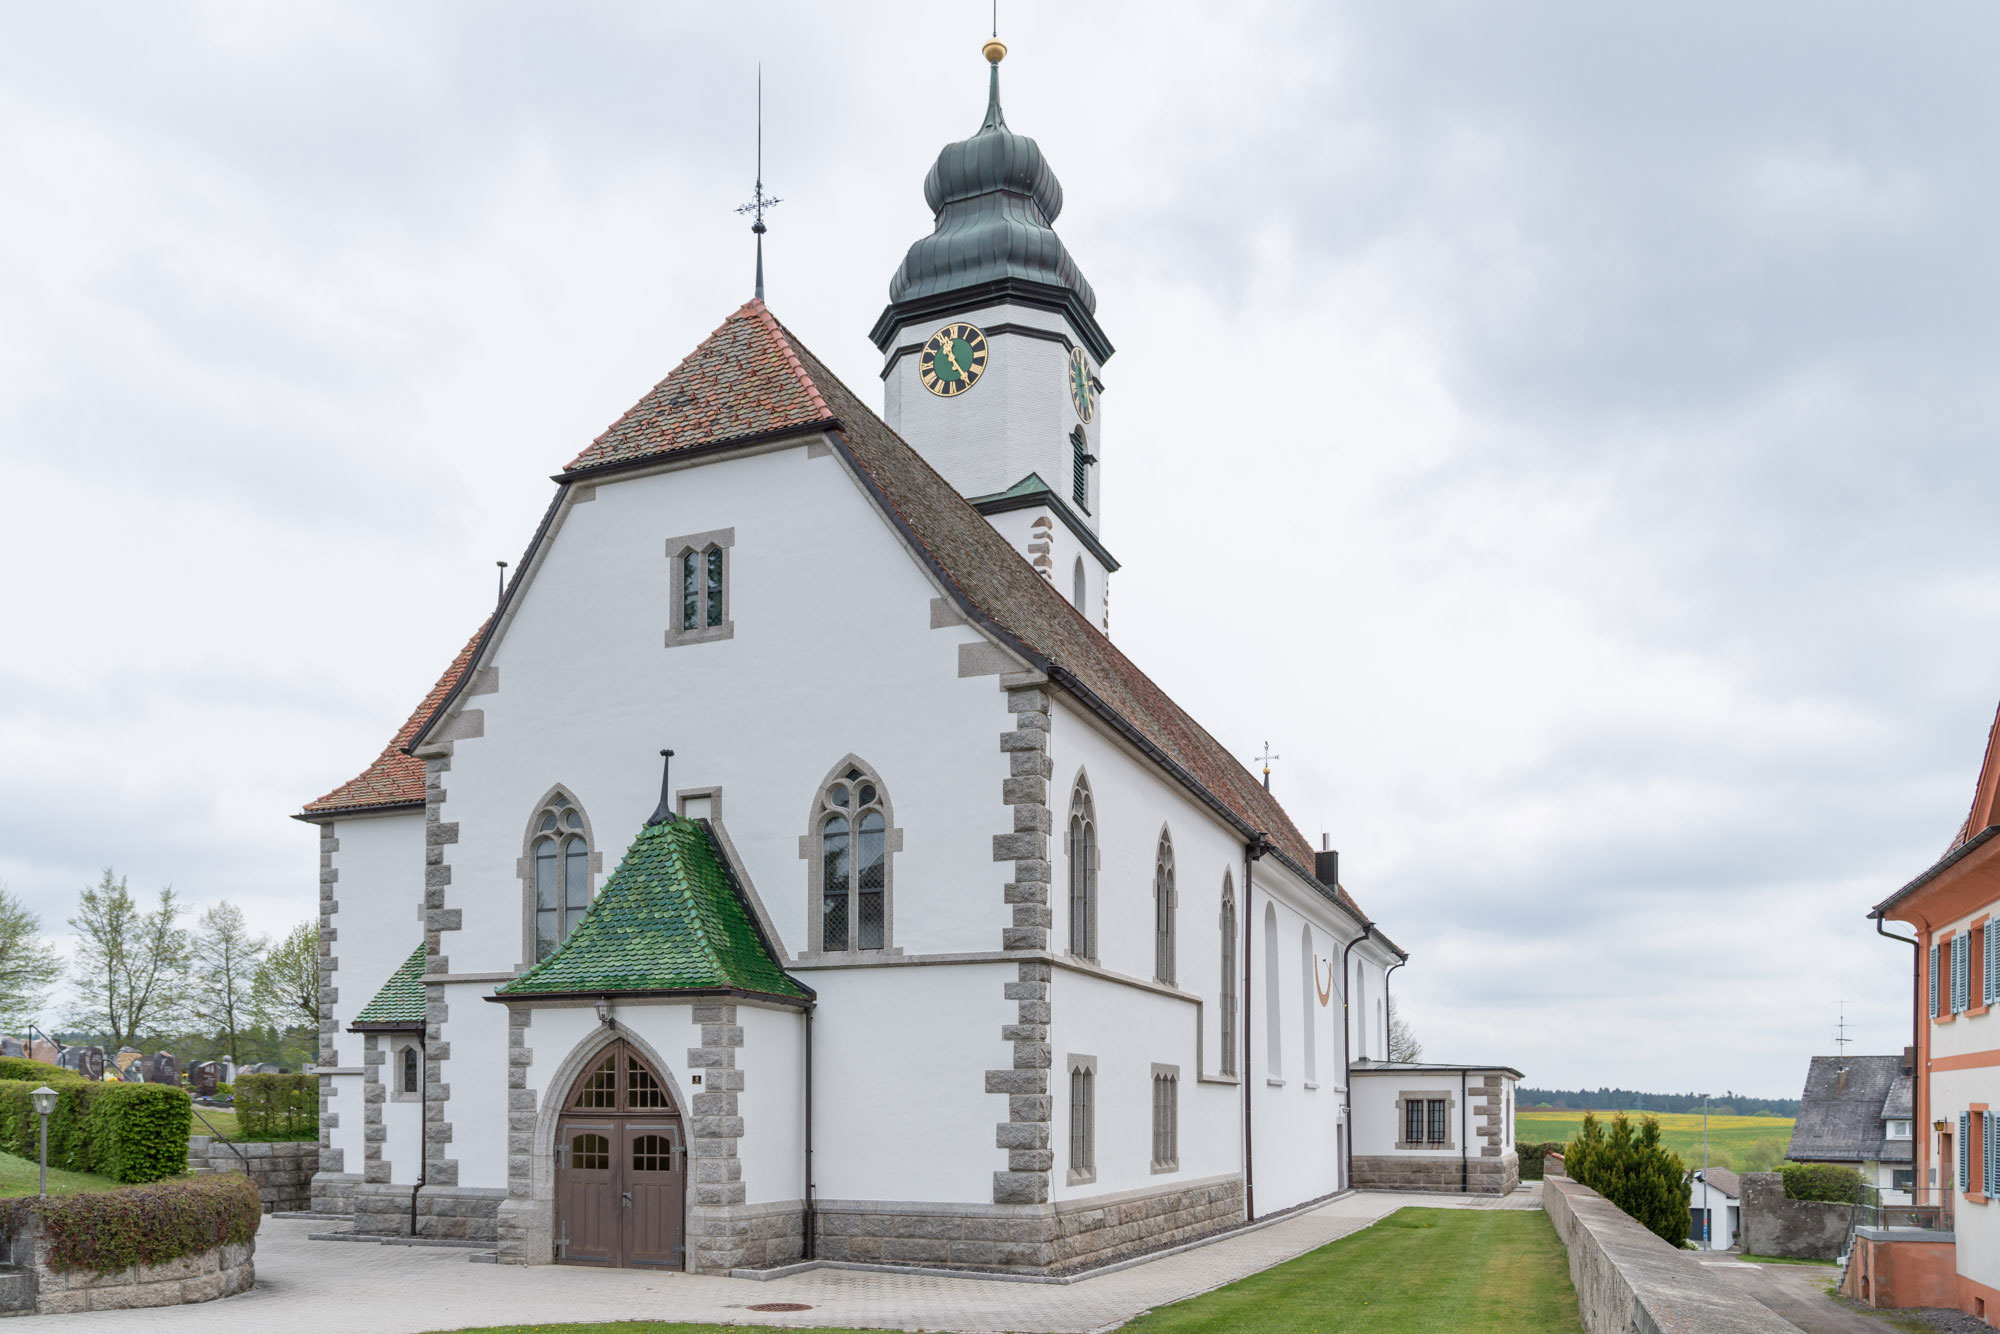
pixel 621 1167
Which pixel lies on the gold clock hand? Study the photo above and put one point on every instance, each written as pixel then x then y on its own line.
pixel 951 355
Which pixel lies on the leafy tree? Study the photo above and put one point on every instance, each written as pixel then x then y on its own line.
pixel 131 966
pixel 1633 1171
pixel 29 966
pixel 287 985
pixel 1403 1044
pixel 226 962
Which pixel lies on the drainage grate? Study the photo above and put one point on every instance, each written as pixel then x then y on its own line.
pixel 781 1306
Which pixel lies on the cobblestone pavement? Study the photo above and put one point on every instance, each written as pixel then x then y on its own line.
pixel 324 1287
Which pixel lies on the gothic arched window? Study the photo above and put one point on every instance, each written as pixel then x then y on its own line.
pixel 558 869
pixel 1163 910
pixel 1309 975
pixel 1229 969
pixel 409 1071
pixel 1082 871
pixel 1274 1030
pixel 851 845
pixel 699 600
pixel 1078 589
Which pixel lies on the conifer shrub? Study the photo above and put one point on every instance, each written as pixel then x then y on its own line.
pixel 104 1232
pixel 128 1132
pixel 1820 1181
pixel 1635 1172
pixel 277 1107
pixel 1531 1157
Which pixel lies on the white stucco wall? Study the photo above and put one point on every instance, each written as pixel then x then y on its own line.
pixel 1725 1214
pixel 1375 1127
pixel 772 1103
pixel 1065 549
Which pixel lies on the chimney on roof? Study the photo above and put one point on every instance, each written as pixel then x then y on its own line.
pixel 1909 1060
pixel 1326 863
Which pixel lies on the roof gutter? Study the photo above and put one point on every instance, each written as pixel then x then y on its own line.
pixel 1943 864
pixel 649 993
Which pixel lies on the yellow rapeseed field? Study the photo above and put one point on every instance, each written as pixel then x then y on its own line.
pixel 1740 1143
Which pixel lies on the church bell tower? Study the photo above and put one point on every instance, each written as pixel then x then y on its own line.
pixel 994 359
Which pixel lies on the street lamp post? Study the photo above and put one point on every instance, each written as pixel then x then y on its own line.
pixel 44 1099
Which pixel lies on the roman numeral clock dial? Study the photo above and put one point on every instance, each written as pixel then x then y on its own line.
pixel 953 360
pixel 1082 390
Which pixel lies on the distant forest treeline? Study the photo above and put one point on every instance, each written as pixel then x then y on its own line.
pixel 1627 1100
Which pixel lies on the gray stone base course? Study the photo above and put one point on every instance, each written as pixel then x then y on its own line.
pixel 1027 1238
pixel 333 1193
pixel 283 1171
pixel 444 1213
pixel 1480 1176
pixel 1628 1281
pixel 201 1277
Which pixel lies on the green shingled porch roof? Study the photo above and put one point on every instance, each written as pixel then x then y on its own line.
pixel 401 999
pixel 669 919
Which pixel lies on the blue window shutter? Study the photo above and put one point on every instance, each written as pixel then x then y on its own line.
pixel 1990 938
pixel 1964 1150
pixel 1992 1146
pixel 1964 973
pixel 1934 981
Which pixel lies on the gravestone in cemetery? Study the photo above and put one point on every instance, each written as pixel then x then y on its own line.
pixel 203 1076
pixel 12 1047
pixel 162 1067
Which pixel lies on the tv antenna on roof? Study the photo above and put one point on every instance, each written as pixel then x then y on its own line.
pixel 759 201
pixel 1840 1038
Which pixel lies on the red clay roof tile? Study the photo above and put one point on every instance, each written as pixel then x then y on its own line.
pixel 397 779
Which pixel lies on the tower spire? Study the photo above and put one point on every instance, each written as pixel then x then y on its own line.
pixel 995 51
pixel 760 201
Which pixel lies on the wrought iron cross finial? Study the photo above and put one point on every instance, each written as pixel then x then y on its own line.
pixel 1267 757
pixel 759 200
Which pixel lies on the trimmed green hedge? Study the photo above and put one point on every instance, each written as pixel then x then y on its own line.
pixel 277 1107
pixel 1838 1185
pixel 128 1132
pixel 18 1067
pixel 107 1231
pixel 1532 1155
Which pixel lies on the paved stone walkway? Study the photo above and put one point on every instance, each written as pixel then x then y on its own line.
pixel 1798 1293
pixel 324 1287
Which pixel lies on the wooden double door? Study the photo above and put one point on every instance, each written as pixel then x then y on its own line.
pixel 621 1167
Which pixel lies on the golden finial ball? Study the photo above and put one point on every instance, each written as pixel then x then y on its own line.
pixel 995 51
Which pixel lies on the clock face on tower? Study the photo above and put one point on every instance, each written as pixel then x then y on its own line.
pixel 953 360
pixel 1082 395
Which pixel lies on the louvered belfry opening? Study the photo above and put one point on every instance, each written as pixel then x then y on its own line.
pixel 621 1167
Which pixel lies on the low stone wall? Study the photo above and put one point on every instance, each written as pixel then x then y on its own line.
pixel 333 1193
pixel 283 1171
pixel 444 1213
pixel 1479 1176
pixel 1628 1281
pixel 1789 1229
pixel 1026 1238
pixel 201 1277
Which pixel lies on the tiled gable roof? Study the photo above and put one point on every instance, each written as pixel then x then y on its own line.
pixel 669 919
pixel 400 1002
pixel 396 778
pixel 742 382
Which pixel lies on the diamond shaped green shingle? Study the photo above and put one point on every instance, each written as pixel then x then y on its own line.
pixel 668 920
pixel 401 999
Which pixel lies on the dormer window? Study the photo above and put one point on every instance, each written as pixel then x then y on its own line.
pixel 1899 1130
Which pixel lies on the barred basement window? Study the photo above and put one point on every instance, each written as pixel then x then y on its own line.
pixel 1413 1121
pixel 701 597
pixel 1082 1119
pixel 1082 850
pixel 1166 1118
pixel 1437 1127
pixel 1229 975
pixel 1164 899
pixel 849 861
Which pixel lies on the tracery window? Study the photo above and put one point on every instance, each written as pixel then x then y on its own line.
pixel 1163 910
pixel 699 570
pixel 1082 1119
pixel 1229 975
pixel 559 866
pixel 852 842
pixel 1082 871
pixel 408 1082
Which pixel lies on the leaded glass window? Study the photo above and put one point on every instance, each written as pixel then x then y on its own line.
pixel 852 863
pixel 1163 910
pixel 1082 848
pixel 1229 974
pixel 713 559
pixel 559 858
pixel 409 1069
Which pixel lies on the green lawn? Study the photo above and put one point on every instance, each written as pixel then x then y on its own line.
pixel 1739 1143
pixel 1466 1271
pixel 20 1176
pixel 221 1123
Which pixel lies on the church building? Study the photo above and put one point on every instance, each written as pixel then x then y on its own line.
pixel 938 936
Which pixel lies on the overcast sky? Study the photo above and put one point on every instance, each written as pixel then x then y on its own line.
pixel 1562 431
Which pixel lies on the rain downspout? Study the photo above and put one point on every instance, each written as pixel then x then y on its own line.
pixel 808 1248
pixel 1920 1104
pixel 1252 850
pixel 1347 1049
pixel 1464 1120
pixel 423 1128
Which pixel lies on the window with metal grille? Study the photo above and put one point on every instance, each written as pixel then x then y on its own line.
pixel 1163 910
pixel 1413 1121
pixel 1438 1131
pixel 1166 1118
pixel 559 853
pixel 1079 469
pixel 1082 1119
pixel 1082 850
pixel 852 868
pixel 652 1153
pixel 1229 967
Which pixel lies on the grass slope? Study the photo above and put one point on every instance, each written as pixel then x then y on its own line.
pixel 20 1176
pixel 1461 1270
pixel 1739 1143
pixel 1418 1271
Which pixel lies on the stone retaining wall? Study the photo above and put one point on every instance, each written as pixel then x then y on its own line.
pixel 1628 1281
pixel 1037 1239
pixel 283 1171
pixel 201 1277
pixel 1480 1176
pixel 1790 1229
pixel 444 1213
